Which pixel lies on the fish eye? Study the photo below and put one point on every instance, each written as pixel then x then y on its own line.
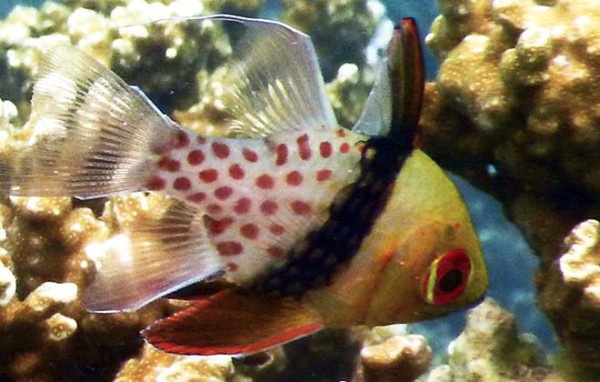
pixel 447 277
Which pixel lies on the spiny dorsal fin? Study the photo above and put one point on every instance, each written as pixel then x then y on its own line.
pixel 228 323
pixel 152 259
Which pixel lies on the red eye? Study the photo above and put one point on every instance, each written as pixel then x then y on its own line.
pixel 447 278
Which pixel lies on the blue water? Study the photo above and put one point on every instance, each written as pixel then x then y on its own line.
pixel 502 243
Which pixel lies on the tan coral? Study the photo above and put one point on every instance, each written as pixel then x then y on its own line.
pixel 155 365
pixel 396 359
pixel 491 349
pixel 515 109
pixel 525 72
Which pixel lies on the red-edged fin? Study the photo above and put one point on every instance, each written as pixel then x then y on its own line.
pixel 394 105
pixel 407 81
pixel 233 324
pixel 154 258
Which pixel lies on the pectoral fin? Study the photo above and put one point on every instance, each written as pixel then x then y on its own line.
pixel 234 324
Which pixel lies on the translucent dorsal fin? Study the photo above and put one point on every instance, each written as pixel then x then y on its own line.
pixel 274 82
pixel 153 259
pixel 394 105
pixel 376 117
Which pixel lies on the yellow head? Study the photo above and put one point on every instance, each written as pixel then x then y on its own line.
pixel 421 260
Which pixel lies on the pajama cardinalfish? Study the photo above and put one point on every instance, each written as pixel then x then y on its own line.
pixel 303 224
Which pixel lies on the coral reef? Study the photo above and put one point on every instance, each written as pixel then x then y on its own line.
pixel 515 100
pixel 389 354
pixel 573 282
pixel 491 349
pixel 331 24
pixel 47 244
pixel 524 75
pixel 154 365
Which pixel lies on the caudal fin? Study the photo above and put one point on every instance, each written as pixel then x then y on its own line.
pixel 94 135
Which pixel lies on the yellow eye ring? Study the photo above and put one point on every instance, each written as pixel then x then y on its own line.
pixel 447 278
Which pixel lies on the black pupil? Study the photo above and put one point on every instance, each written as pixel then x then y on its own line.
pixel 451 280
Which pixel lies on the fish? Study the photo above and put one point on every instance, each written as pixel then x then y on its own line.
pixel 291 225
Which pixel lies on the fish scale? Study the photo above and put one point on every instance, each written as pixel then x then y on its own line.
pixel 260 197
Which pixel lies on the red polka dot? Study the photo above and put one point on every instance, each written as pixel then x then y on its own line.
pixel 232 267
pixel 182 184
pixel 197 197
pixel 344 148
pixel 300 208
pixel 214 209
pixel 242 206
pixel 325 149
pixel 276 252
pixel 277 229
pixel 340 133
pixel 249 155
pixel 323 175
pixel 216 227
pixel 236 171
pixel 223 193
pixel 294 178
pixel 220 150
pixel 268 207
pixel 169 164
pixel 282 154
pixel 201 140
pixel 182 140
pixel 195 157
pixel 156 183
pixel 249 230
pixel 303 147
pixel 265 181
pixel 229 248
pixel 209 175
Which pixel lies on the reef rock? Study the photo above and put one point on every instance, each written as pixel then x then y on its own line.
pixel 515 110
pixel 491 349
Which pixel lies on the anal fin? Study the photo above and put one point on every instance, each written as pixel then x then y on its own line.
pixel 233 324
pixel 153 259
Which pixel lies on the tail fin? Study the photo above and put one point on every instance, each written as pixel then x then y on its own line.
pixel 93 134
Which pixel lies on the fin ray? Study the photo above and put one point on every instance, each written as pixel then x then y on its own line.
pixel 156 259
pixel 93 133
pixel 227 323
pixel 276 80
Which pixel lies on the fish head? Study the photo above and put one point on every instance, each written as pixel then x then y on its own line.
pixel 427 253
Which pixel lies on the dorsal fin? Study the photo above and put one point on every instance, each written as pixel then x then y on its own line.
pixel 168 252
pixel 394 105
pixel 274 83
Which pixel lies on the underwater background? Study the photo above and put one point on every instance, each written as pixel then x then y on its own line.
pixel 513 266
